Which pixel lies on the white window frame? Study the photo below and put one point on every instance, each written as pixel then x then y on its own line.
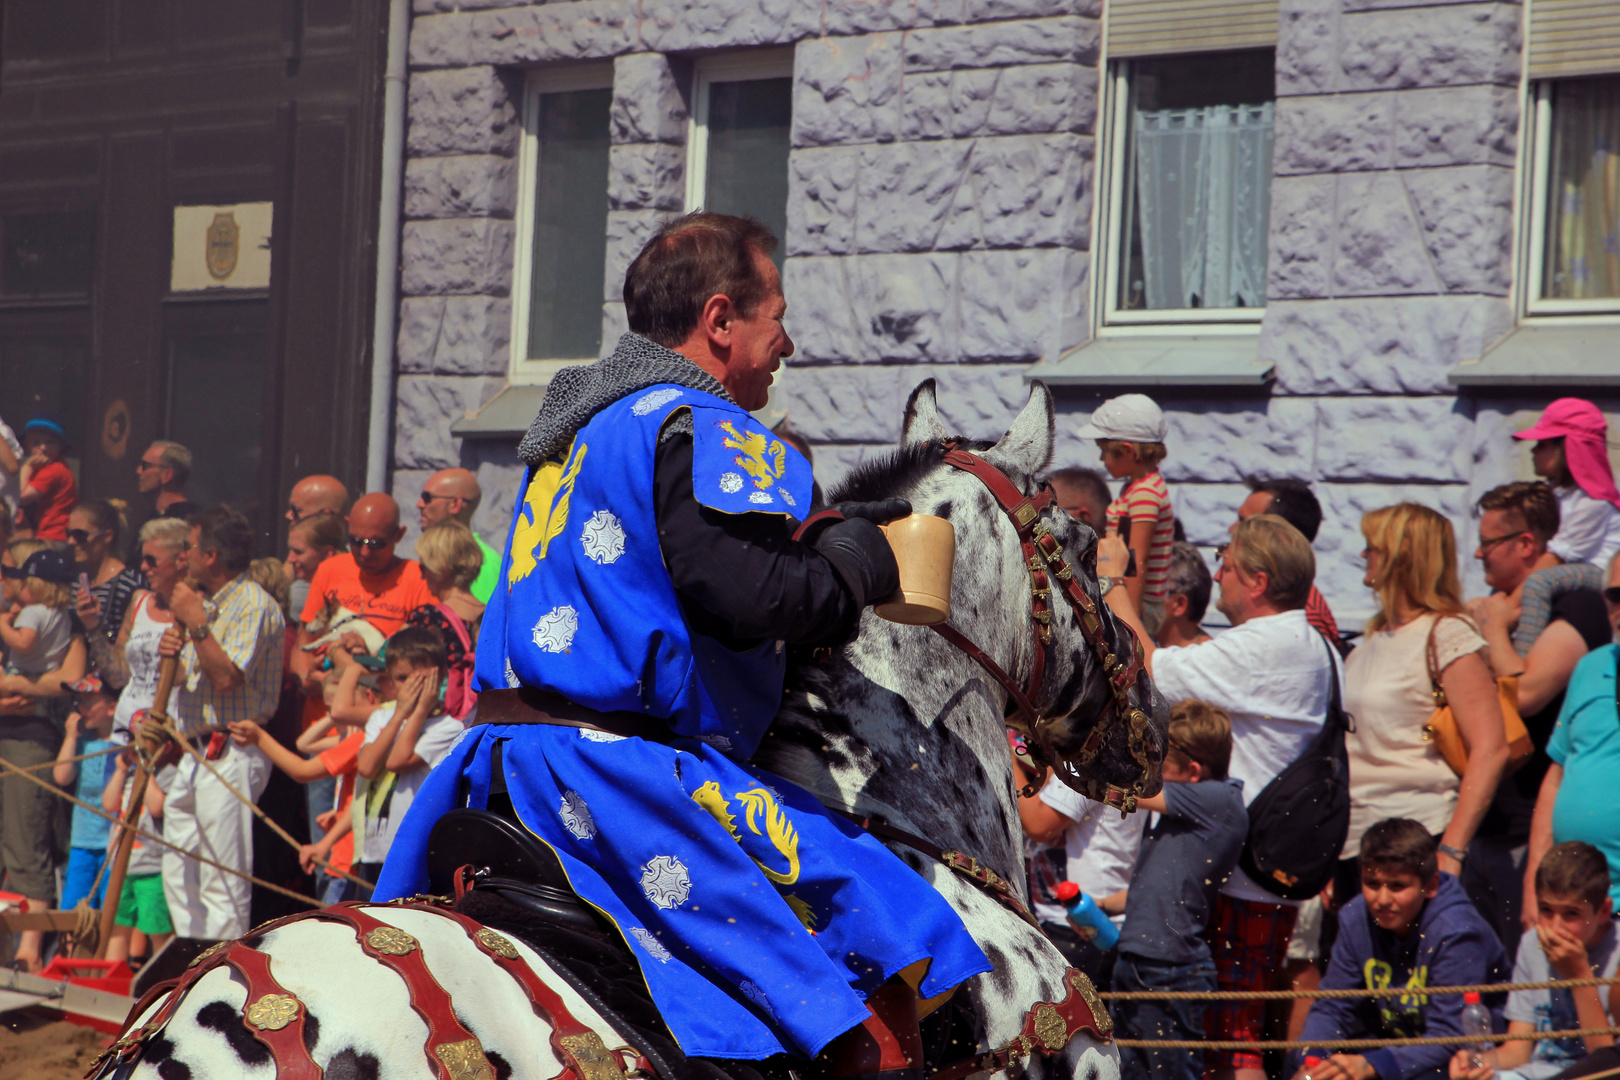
pixel 1533 227
pixel 728 67
pixel 521 369
pixel 1111 222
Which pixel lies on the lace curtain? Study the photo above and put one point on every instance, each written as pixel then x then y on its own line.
pixel 1583 226
pixel 1203 189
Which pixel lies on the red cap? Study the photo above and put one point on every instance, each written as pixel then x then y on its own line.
pixel 1066 891
pixel 1471 998
pixel 1312 1061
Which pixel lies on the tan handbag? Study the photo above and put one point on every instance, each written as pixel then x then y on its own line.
pixel 1442 726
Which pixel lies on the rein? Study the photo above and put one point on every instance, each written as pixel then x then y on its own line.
pixel 1044 557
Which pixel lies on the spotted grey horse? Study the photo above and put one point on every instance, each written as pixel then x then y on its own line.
pixel 900 726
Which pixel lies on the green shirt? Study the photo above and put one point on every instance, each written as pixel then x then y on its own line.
pixel 483 586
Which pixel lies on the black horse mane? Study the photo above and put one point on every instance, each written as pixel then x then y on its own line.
pixel 899 470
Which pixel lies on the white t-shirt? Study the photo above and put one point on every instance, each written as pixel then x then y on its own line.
pixel 1100 845
pixel 1393 772
pixel 1270 674
pixel 380 804
pixel 1588 528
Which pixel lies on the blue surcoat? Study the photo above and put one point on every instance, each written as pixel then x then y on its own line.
pixel 760 921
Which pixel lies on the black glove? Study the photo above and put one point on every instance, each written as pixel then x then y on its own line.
pixel 879 513
pixel 861 555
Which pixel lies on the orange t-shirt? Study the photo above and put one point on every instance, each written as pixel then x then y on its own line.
pixel 343 761
pixel 383 600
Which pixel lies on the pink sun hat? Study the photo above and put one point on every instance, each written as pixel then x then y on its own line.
pixel 1585 433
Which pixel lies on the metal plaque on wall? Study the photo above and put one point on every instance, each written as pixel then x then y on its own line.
pixel 221 247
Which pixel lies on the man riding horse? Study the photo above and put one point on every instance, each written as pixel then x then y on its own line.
pixel 633 658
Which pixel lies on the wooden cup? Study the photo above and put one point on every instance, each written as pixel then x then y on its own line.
pixel 925 548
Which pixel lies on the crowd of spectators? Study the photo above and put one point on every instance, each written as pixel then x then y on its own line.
pixel 314 690
pixel 323 685
pixel 1482 735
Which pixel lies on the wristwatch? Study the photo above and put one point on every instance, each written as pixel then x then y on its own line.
pixel 1105 583
pixel 198 633
pixel 1456 853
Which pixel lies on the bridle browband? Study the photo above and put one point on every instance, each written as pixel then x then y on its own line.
pixel 1044 557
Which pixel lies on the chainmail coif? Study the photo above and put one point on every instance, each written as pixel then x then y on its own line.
pixel 578 393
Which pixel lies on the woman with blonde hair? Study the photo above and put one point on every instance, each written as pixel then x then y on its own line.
pixel 451 560
pixel 1394 771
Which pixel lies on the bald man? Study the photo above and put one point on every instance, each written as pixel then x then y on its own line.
pixel 313 495
pixel 452 495
pixel 370 580
pixel 318 494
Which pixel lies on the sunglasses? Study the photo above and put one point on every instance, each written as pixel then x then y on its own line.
pixel 428 496
pixel 149 562
pixel 78 536
pixel 369 545
pixel 142 466
pixel 298 515
pixel 1612 594
pixel 1486 545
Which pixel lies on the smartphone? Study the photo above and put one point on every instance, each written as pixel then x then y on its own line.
pixel 1124 533
pixel 84 581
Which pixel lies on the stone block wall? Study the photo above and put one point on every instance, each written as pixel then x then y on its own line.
pixel 940 219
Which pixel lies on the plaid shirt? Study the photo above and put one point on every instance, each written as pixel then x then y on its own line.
pixel 249 627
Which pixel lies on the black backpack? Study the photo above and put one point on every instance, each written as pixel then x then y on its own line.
pixel 1299 821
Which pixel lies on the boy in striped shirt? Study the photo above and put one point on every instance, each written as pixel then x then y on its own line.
pixel 1130 431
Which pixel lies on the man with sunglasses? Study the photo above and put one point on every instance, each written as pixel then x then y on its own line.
pixel 370 580
pixel 161 475
pixel 1516 523
pixel 453 495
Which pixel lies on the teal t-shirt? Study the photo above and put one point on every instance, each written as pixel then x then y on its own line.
pixel 1586 742
pixel 89 830
pixel 483 586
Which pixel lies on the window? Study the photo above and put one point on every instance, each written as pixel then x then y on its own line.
pixel 561 221
pixel 47 254
pixel 741 129
pixel 1190 189
pixel 1575 198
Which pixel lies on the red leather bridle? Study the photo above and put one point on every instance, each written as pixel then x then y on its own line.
pixel 1044 556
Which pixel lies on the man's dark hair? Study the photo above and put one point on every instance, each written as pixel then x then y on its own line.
pixel 1189 577
pixel 688 260
pixel 419 646
pixel 1400 844
pixel 1574 870
pixel 1531 504
pixel 1088 482
pixel 225 530
pixel 1293 501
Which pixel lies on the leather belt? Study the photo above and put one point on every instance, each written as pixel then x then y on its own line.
pixel 531 705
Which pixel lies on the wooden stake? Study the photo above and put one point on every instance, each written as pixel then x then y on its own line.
pixel 167 672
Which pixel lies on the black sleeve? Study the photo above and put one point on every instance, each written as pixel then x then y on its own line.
pixel 742 578
pixel 1584 610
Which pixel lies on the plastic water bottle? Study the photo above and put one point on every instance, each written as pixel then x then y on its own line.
pixel 1476 1020
pixel 1088 920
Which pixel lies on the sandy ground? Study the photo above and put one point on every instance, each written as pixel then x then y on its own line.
pixel 39 1048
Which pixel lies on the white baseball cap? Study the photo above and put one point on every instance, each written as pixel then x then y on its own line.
pixel 1128 418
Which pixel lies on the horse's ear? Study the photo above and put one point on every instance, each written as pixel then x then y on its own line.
pixel 1026 449
pixel 922 423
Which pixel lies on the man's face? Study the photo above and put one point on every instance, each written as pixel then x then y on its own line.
pixel 1234 588
pixel 150 473
pixel 1395 897
pixel 300 505
pixel 1077 506
pixel 758 342
pixel 1573 916
pixel 372 545
pixel 436 504
pixel 1505 549
pixel 198 562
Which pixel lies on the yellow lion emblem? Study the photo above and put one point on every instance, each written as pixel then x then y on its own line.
pixel 545 512
pixel 764 460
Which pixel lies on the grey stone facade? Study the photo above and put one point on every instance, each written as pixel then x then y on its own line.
pixel 940 219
